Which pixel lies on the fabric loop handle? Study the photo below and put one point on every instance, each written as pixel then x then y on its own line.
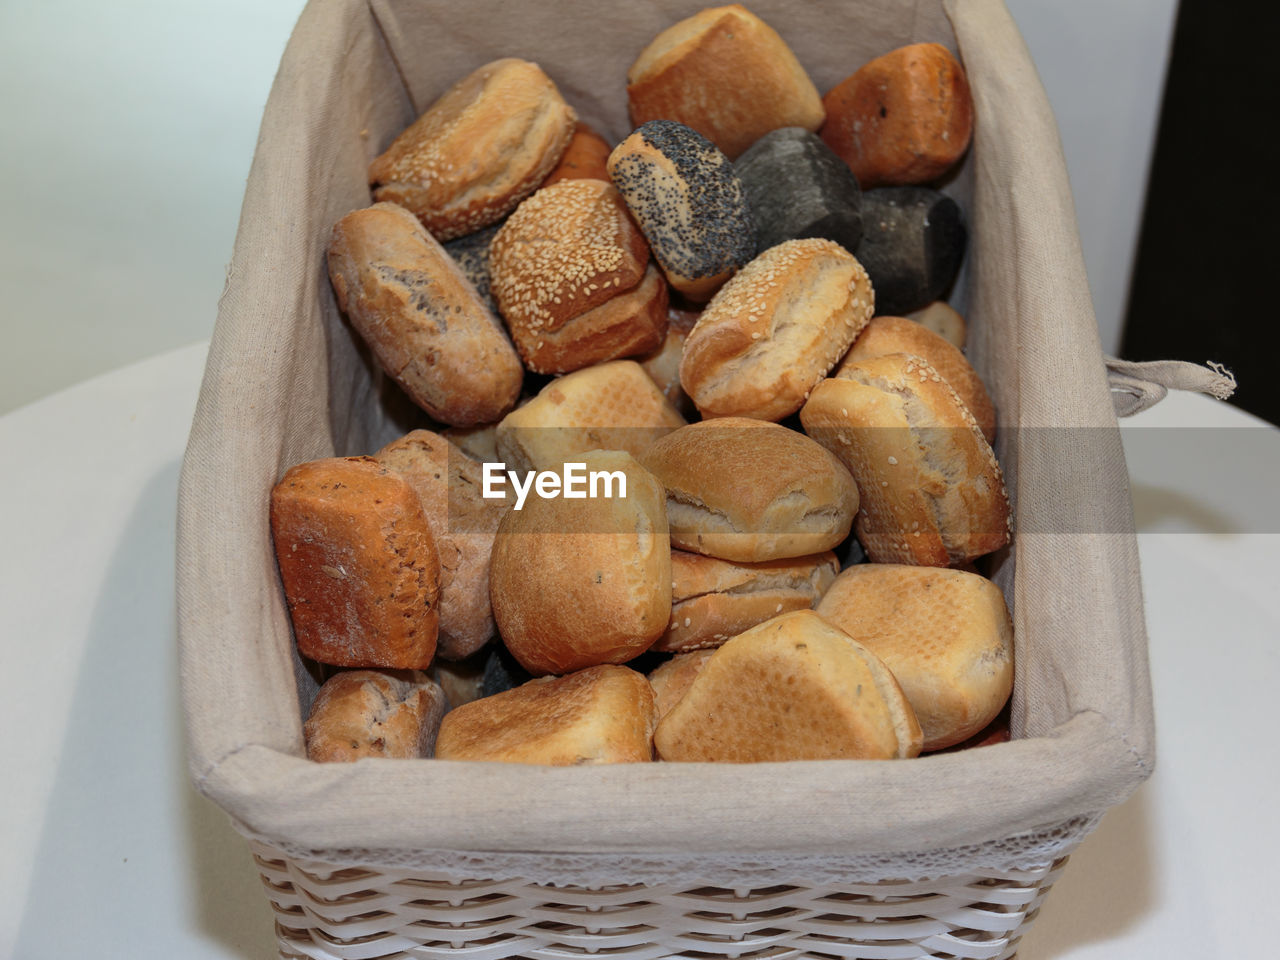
pixel 1138 386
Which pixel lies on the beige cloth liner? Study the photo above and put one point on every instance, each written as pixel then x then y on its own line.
pixel 288 381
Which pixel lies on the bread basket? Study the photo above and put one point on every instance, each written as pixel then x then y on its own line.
pixel 948 855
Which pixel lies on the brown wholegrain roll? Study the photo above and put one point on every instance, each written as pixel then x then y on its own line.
pixel 748 490
pixel 775 330
pixel 421 317
pixel 602 714
pixel 688 201
pixel 359 564
pixel 580 582
pixel 932 491
pixel 373 713
pixel 791 688
pixel 584 159
pixel 725 73
pixel 479 150
pixel 904 118
pixel 946 635
pixel 671 679
pixel 609 406
pixel 885 335
pixel 568 251
pixel 713 600
pixel 449 485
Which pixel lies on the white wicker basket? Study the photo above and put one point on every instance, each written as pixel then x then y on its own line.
pixel 946 856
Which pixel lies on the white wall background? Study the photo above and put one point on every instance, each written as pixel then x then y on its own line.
pixel 128 127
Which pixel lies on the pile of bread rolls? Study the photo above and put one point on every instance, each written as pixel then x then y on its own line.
pixel 702 318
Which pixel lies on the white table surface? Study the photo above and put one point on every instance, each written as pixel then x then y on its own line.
pixel 107 852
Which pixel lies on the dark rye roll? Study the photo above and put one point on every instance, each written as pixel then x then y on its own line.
pixel 689 203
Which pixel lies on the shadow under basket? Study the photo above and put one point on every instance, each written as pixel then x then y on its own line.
pixel 948 855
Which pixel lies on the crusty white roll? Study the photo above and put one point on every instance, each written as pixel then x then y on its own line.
pixel 944 320
pixel 671 679
pixel 609 406
pixel 373 713
pixel 713 600
pixel 932 491
pixel 775 330
pixel 946 635
pixel 579 582
pixel 421 317
pixel 792 688
pixel 477 151
pixel 602 714
pixel 725 73
pixel 663 365
pixel 748 490
pixel 885 335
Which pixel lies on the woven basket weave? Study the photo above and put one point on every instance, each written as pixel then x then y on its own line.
pixel 945 856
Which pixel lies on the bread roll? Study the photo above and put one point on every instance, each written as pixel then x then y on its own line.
pixel 713 600
pixel 603 714
pixel 584 159
pixel 611 406
pixel 359 564
pixel 725 73
pixel 885 335
pixel 932 491
pixel 373 713
pixel 689 203
pixel 775 330
pixel 672 678
pixel 748 490
pixel 471 254
pixel 579 582
pixel 568 251
pixel 792 688
pixel 663 365
pixel 942 319
pixel 423 320
pixel 945 634
pixel 461 680
pixel 478 443
pixel 477 151
pixel 463 522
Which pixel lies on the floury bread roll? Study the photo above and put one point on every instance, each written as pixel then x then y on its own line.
pixel 885 335
pixel 945 634
pixel 359 564
pixel 568 271
pixel 748 490
pixel 725 73
pixel 579 582
pixel 673 678
pixel 792 688
pixel 450 487
pixel 713 600
pixel 689 203
pixel 603 714
pixel 477 151
pixel 374 713
pixel 610 406
pixel 421 317
pixel 775 330
pixel 932 491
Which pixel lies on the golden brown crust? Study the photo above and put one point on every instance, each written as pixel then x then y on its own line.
pixel 775 330
pixel 713 600
pixel 792 688
pixel 477 151
pixel 905 117
pixel 585 158
pixel 569 248
pixel 945 634
pixel 449 486
pixel 581 582
pixel 610 406
pixel 725 73
pixel 942 319
pixel 671 679
pixel 932 491
pixel 663 365
pixel 373 713
pixel 423 320
pixel 603 714
pixel 885 335
pixel 359 564
pixel 748 490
